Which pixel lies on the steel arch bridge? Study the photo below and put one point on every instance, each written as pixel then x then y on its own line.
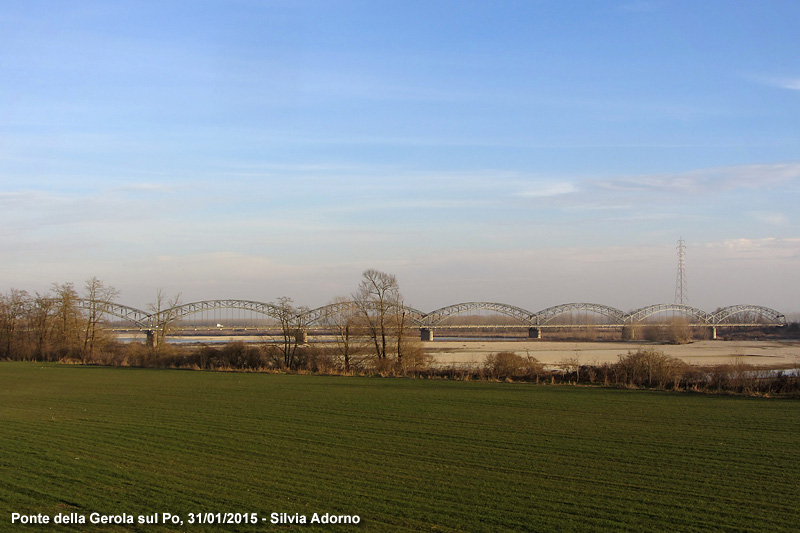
pixel 320 317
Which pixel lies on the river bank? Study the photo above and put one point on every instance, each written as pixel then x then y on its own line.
pixel 767 354
pixel 762 353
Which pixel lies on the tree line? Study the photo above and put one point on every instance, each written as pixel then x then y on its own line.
pixel 55 325
pixel 645 368
pixel 63 324
pixel 370 335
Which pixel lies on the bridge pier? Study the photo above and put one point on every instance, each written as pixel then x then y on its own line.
pixel 301 336
pixel 713 330
pixel 426 334
pixel 628 333
pixel 151 338
pixel 534 333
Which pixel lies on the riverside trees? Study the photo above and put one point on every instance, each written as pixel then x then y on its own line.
pixel 343 319
pixel 292 324
pixel 99 297
pixel 378 300
pixel 13 308
pixel 383 316
pixel 56 325
pixel 370 328
pixel 165 311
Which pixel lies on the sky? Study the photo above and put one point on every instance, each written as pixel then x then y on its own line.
pixel 531 153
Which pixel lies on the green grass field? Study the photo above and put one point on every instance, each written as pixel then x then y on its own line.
pixel 403 454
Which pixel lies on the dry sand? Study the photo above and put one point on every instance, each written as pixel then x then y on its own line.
pixel 772 354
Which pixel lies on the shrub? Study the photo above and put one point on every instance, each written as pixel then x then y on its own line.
pixel 510 364
pixel 735 377
pixel 649 367
pixel 414 357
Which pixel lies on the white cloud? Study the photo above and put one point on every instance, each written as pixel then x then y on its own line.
pixel 546 190
pixel 793 84
pixel 770 217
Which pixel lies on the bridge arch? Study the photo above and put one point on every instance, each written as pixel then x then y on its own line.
pixel 435 318
pixel 688 311
pixel 770 316
pixel 137 317
pixel 615 316
pixel 318 315
pixel 181 311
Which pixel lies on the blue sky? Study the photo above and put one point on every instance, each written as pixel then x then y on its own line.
pixel 532 153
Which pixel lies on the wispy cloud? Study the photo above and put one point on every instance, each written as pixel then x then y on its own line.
pixel 781 82
pixel 145 187
pixel 788 83
pixel 772 218
pixel 92 214
pixel 763 250
pixel 546 190
pixel 721 178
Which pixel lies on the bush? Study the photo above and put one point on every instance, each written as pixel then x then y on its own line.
pixel 510 365
pixel 414 357
pixel 649 367
pixel 313 359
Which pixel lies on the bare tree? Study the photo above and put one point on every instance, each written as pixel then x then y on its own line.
pixel 41 322
pixel 13 310
pixel 343 319
pixel 67 327
pixel 400 315
pixel 99 298
pixel 292 322
pixel 165 311
pixel 378 298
